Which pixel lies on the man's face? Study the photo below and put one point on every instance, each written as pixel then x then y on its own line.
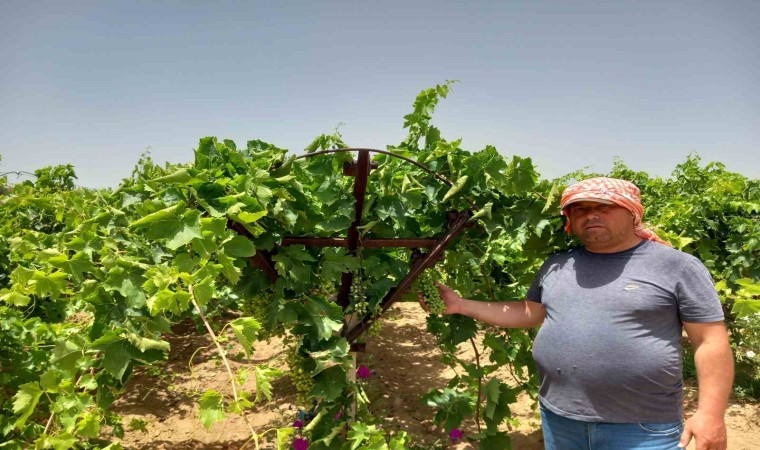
pixel 600 225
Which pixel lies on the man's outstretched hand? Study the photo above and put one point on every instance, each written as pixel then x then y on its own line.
pixel 451 299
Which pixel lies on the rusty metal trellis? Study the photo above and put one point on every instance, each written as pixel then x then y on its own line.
pixel 360 169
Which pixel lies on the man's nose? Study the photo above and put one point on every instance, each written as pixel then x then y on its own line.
pixel 591 213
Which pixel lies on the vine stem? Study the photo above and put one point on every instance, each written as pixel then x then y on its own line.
pixel 224 360
pixel 50 420
pixel 509 367
pixel 480 383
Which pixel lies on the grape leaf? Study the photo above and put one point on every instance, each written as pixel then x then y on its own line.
pixel 181 176
pixel 496 441
pixel 456 188
pixel 211 408
pixel 264 377
pixel 230 268
pixel 245 328
pixel 330 383
pixel 283 437
pixel 14 298
pixel 51 284
pixel 116 357
pixel 166 300
pixel 239 247
pixel 498 398
pixel 292 262
pixel 78 265
pixel 25 401
pixel 336 261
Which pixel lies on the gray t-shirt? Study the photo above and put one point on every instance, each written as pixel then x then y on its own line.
pixel 609 349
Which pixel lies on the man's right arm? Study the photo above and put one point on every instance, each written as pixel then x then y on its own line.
pixel 523 314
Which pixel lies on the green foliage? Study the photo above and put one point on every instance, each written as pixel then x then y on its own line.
pixel 55 177
pixel 418 121
pixel 453 406
pixel 326 142
pixel 91 281
pixel 747 355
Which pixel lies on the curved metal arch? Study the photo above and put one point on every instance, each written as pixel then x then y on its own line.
pixel 382 152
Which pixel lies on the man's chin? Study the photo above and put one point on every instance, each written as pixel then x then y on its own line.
pixel 593 238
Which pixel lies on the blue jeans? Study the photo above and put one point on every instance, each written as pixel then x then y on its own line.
pixel 561 433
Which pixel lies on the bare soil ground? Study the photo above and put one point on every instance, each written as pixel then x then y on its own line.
pixel 405 361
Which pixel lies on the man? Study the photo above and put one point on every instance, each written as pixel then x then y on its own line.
pixel 611 313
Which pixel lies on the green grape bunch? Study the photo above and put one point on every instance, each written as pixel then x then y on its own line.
pixel 375 328
pixel 326 289
pixel 358 295
pixel 426 285
pixel 301 379
pixel 256 306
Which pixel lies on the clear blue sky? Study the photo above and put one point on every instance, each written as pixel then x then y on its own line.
pixel 568 83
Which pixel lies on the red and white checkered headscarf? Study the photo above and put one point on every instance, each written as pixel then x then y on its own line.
pixel 610 190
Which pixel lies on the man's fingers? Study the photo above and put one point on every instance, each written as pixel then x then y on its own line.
pixel 685 438
pixel 441 287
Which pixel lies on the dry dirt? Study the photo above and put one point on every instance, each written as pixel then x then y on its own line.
pixel 405 361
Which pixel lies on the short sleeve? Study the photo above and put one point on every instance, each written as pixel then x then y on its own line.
pixel 698 301
pixel 535 291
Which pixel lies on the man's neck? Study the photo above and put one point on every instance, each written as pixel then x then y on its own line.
pixel 602 247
